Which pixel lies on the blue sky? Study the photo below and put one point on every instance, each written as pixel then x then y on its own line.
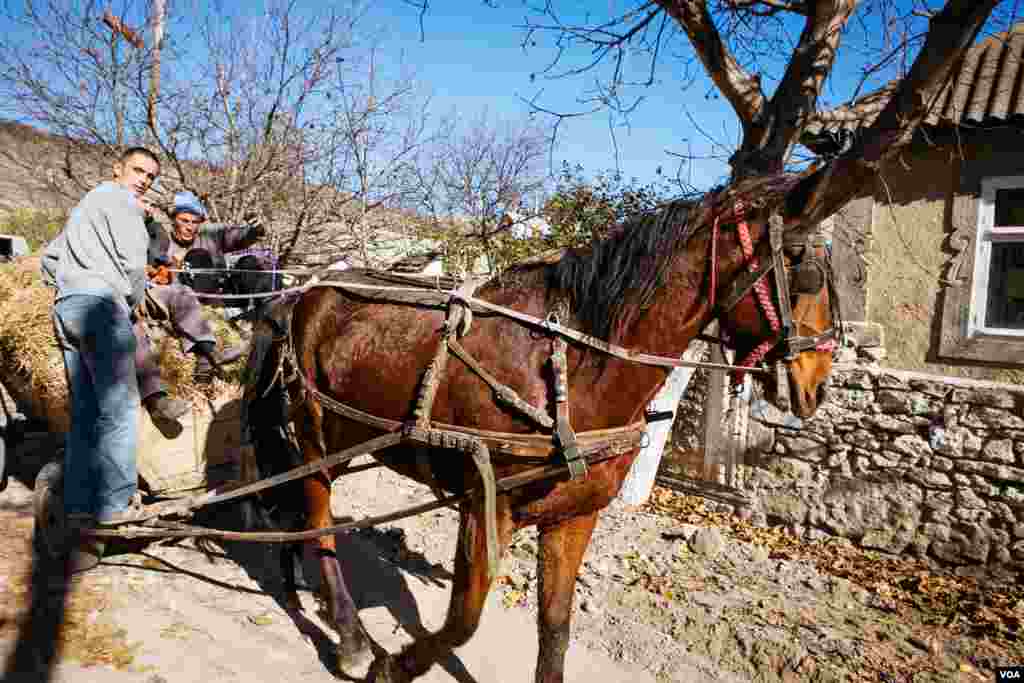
pixel 470 56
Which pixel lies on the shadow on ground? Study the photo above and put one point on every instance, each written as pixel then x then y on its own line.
pixel 377 565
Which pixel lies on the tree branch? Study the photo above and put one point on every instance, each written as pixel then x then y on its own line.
pixel 766 8
pixel 768 143
pixel 951 33
pixel 861 112
pixel 742 90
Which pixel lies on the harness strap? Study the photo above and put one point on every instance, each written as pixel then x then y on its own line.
pixel 457 323
pixel 742 285
pixel 775 239
pixel 503 394
pixel 431 438
pixel 428 385
pixel 599 344
pixel 537 446
pixel 545 325
pixel 564 433
pixel 381 423
pixel 776 235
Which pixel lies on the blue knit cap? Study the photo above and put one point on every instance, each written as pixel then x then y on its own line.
pixel 186 201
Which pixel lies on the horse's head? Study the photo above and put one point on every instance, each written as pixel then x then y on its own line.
pixel 802 354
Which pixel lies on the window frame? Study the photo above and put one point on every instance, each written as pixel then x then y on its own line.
pixel 986 233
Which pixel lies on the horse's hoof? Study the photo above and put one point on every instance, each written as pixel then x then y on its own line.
pixel 386 670
pixel 355 655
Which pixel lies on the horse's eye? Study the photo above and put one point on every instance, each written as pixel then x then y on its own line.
pixel 807 278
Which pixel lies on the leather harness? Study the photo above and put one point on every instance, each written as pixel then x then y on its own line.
pixel 575 450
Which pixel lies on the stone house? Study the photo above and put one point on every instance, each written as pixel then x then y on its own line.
pixel 920 448
pixel 933 252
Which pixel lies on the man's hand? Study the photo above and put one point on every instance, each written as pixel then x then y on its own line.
pixel 140 312
pixel 159 275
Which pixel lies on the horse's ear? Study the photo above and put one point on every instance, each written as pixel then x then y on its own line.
pixel 807 278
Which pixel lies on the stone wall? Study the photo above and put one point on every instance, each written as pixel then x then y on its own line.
pixel 897 461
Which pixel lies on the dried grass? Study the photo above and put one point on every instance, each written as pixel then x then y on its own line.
pixel 31 362
pixel 33 370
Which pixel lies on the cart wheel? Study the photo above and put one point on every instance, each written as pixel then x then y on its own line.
pixel 51 524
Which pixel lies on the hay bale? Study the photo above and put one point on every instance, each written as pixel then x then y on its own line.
pixel 30 361
pixel 31 365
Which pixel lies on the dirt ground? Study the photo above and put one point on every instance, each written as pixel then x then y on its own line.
pixel 669 592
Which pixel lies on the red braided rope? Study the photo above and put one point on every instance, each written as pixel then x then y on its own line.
pixel 761 291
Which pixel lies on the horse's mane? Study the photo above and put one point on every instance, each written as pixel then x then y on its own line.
pixel 610 282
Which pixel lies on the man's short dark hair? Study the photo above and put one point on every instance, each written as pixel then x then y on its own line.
pixel 132 151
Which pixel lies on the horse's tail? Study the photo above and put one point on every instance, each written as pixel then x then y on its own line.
pixel 265 426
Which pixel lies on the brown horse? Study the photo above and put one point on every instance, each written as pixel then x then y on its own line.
pixel 646 288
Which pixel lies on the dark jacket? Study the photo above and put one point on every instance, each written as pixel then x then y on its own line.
pixel 217 239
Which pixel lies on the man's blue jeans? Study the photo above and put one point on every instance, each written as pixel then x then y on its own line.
pixel 96 337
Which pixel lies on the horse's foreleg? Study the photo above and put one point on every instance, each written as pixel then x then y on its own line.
pixel 561 550
pixel 469 593
pixel 354 653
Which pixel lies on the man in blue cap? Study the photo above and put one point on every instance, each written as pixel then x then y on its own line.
pixel 198 244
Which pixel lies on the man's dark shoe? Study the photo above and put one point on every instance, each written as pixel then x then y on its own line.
pixel 163 407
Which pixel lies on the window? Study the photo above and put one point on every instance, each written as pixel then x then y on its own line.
pixel 997 299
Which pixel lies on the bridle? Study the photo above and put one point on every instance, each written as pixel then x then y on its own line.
pixel 786 342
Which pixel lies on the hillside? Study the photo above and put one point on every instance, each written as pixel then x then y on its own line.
pixel 34 176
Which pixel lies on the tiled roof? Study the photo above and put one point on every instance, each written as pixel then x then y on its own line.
pixel 987 90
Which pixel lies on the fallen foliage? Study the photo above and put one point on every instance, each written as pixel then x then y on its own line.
pixel 944 606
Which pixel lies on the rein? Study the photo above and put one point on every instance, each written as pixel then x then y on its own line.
pixel 541 324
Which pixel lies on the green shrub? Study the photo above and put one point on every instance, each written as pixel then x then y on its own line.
pixel 37 226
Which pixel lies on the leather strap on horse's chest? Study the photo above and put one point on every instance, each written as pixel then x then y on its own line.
pixel 563 430
pixel 503 394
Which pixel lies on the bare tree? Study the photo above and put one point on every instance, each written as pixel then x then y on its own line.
pixel 478 171
pixel 773 60
pixel 381 125
pixel 276 113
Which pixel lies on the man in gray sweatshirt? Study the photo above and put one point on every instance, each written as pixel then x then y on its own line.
pixel 100 278
pixel 152 389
